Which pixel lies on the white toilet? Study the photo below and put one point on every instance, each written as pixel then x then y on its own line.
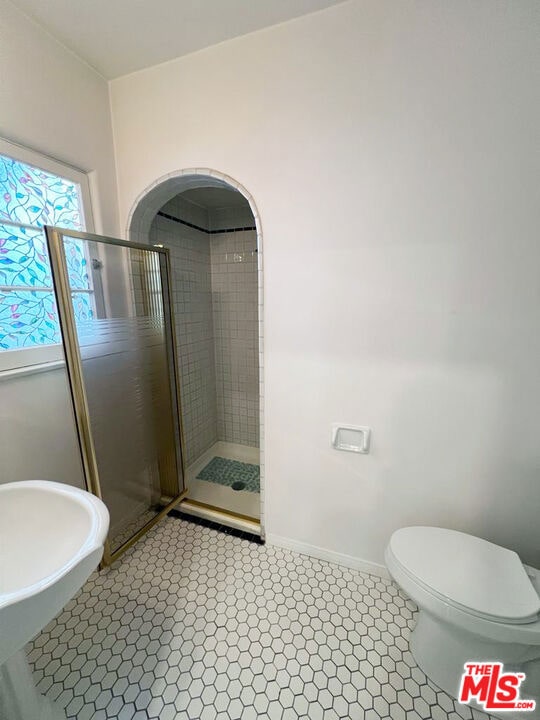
pixel 477 601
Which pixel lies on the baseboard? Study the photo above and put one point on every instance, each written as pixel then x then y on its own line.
pixel 329 555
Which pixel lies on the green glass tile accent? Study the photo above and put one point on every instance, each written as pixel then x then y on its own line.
pixel 232 473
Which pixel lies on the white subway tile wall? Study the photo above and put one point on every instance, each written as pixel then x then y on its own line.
pixel 230 217
pixel 215 297
pixel 192 301
pixel 234 299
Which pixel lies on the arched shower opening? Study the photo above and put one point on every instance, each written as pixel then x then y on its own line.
pixel 211 227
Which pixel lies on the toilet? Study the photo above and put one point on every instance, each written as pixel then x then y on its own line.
pixel 477 601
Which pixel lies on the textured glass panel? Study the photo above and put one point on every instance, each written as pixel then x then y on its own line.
pixel 124 343
pixel 23 257
pixel 82 306
pixel 77 264
pixel 35 197
pixel 27 318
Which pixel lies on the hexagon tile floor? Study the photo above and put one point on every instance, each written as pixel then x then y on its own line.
pixel 196 624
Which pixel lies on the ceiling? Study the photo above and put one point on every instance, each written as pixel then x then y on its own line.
pixel 213 198
pixel 118 37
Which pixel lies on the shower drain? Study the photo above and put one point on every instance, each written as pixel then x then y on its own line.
pixel 238 485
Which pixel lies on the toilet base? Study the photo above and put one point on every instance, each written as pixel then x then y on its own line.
pixel 442 650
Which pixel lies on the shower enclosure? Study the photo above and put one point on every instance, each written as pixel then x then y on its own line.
pixel 120 356
pixel 161 348
pixel 211 236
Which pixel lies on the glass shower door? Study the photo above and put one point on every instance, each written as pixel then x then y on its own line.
pixel 115 313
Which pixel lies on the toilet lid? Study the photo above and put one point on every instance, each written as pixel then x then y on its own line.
pixel 477 575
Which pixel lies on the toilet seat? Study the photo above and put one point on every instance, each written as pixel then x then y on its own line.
pixel 468 573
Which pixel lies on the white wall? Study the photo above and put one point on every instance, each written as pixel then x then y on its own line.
pixel 53 103
pixel 391 149
pixel 37 432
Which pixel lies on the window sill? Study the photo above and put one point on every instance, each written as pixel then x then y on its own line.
pixel 31 370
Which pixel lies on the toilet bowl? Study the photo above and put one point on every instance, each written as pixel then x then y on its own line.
pixel 477 602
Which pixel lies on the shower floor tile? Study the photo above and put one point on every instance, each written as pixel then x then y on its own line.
pixel 239 502
pixel 232 473
pixel 195 624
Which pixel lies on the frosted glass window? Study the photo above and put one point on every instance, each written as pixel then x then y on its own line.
pixel 29 199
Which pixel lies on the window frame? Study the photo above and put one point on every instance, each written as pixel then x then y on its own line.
pixel 42 354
